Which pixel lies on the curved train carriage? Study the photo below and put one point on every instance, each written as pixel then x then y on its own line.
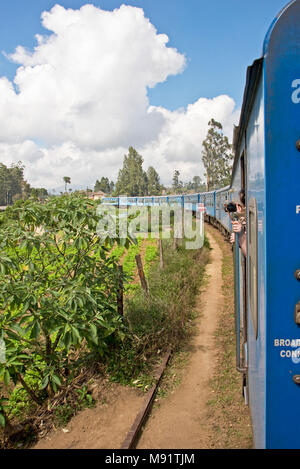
pixel 267 281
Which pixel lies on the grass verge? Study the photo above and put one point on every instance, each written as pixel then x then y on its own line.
pixel 161 320
pixel 229 417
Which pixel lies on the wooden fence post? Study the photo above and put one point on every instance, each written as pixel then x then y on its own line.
pixel 120 291
pixel 139 264
pixel 161 254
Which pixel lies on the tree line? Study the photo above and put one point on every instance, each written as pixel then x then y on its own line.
pixel 13 186
pixel 133 180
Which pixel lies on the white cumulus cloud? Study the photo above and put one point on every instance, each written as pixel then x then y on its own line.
pixel 79 99
pixel 179 144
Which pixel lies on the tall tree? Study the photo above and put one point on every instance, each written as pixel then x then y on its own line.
pixel 67 180
pixel 103 185
pixel 177 185
pixel 132 179
pixel 196 185
pixel 4 183
pixel 154 186
pixel 217 156
pixel 39 192
pixel 111 186
pixel 12 184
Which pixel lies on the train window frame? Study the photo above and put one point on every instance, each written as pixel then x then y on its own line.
pixel 253 263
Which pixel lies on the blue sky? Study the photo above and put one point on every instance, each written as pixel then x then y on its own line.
pixel 219 38
pixel 102 78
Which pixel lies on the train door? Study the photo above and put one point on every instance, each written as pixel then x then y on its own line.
pixel 243 258
pixel 241 296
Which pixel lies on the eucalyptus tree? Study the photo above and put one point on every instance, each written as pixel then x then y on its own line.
pixel 154 186
pixel 132 179
pixel 67 180
pixel 217 156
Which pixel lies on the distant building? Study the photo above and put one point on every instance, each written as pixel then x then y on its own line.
pixel 97 195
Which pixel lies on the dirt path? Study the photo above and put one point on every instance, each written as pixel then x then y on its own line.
pixel 180 422
pixel 102 427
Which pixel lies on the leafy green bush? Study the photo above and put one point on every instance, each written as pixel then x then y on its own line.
pixel 117 252
pixel 58 287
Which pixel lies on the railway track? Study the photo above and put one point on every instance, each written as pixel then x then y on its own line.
pixel 133 434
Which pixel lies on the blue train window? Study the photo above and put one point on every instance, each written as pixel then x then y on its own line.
pixel 253 288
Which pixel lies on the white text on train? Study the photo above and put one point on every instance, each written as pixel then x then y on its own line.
pixel 296 93
pixel 287 342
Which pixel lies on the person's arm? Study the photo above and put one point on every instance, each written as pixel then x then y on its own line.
pixel 238 228
pixel 243 243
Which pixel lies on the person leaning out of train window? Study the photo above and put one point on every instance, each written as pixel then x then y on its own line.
pixel 239 226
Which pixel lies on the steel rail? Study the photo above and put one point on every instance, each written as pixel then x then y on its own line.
pixel 133 434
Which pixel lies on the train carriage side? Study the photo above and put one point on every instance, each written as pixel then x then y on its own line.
pixel 208 199
pixel 175 200
pixel 131 201
pixel 191 202
pixel 110 201
pixel 282 114
pixel 268 133
pixel 251 144
pixel 223 196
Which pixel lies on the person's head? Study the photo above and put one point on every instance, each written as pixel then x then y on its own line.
pixel 241 206
pixel 242 197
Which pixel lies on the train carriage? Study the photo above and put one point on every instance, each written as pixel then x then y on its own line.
pixel 110 200
pixel 208 199
pixel 222 197
pixel 131 200
pixel 191 202
pixel 175 200
pixel 268 163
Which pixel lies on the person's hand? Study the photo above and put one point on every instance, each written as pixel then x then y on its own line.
pixel 236 226
pixel 232 238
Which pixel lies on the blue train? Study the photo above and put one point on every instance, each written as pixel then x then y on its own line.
pixel 267 280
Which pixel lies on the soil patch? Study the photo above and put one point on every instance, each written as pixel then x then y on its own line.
pixel 101 427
